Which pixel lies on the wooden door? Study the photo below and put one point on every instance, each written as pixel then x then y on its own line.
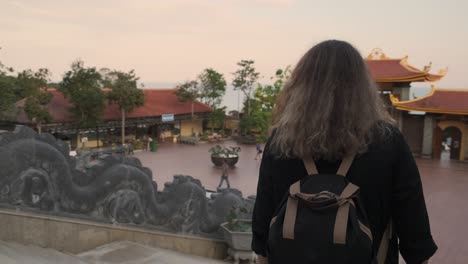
pixel 455 147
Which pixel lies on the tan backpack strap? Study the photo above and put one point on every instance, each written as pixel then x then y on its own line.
pixel 309 164
pixel 291 212
pixel 384 244
pixel 345 165
pixel 341 221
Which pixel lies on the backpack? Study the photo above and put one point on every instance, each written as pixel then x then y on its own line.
pixel 321 220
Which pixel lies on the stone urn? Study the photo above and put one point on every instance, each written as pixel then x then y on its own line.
pixel 222 153
pixel 231 160
pixel 239 241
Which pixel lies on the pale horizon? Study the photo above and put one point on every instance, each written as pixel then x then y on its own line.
pixel 172 41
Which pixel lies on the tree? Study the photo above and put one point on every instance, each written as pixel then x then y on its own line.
pixel 7 93
pixel 263 103
pixel 267 94
pixel 82 87
pixel 212 87
pixel 33 87
pixel 125 93
pixel 189 92
pixel 216 118
pixel 245 79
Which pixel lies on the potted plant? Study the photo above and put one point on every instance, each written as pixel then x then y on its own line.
pixel 237 232
pixel 221 153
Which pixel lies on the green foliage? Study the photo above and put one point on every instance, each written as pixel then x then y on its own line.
pixel 205 135
pixel 233 223
pixel 245 79
pixel 266 94
pixel 175 131
pixel 33 87
pixel 30 83
pixel 124 91
pixel 212 87
pixel 262 104
pixel 189 91
pixel 82 87
pixel 216 118
pixel 8 96
pixel 222 151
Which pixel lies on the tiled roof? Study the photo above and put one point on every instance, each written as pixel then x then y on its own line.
pixel 442 101
pixel 398 70
pixel 157 103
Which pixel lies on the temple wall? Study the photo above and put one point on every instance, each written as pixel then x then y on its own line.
pixel 76 203
pixel 76 236
pixel 186 127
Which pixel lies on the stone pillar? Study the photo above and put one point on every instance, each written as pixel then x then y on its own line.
pixel 427 136
pixel 405 94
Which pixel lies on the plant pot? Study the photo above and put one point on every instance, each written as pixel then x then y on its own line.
pixel 238 240
pixel 218 161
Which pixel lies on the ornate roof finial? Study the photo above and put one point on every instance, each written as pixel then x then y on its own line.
pixel 404 61
pixel 443 71
pixel 377 54
pixel 427 68
pixel 394 99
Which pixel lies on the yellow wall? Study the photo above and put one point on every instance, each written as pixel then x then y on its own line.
pixel 186 127
pixel 231 124
pixel 464 135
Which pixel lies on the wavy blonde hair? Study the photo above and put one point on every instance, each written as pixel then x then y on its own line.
pixel 329 106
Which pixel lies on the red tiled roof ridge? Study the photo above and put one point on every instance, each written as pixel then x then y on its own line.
pixel 384 69
pixel 439 100
pixel 157 103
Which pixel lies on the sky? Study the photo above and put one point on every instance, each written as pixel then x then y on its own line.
pixel 171 41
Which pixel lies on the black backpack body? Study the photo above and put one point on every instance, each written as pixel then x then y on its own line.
pixel 321 221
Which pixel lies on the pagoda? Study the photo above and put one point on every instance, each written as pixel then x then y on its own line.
pixel 446 110
pixel 396 75
pixel 429 122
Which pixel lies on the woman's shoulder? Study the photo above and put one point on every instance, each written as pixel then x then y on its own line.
pixel 386 135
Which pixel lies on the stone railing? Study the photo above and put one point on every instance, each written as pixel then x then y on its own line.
pixel 37 174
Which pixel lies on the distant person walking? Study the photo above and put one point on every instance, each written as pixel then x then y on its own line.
pixel 224 176
pixel 259 151
pixel 148 147
pixel 145 143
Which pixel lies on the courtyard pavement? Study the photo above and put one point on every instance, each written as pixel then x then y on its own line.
pixel 171 159
pixel 445 187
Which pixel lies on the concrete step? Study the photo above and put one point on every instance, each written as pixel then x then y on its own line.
pixel 125 252
pixel 15 253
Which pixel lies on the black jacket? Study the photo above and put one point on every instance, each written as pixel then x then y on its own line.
pixel 390 188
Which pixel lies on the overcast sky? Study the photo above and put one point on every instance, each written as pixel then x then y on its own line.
pixel 173 40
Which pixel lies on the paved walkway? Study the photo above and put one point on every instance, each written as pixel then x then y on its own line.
pixel 122 252
pixel 14 253
pixel 125 252
pixel 445 187
pixel 171 159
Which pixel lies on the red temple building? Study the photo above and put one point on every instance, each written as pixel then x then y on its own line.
pixel 431 123
pixel 163 115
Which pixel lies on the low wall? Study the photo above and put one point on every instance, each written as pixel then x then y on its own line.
pixel 76 236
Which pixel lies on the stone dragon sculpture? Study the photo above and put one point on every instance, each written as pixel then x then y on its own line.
pixel 37 172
